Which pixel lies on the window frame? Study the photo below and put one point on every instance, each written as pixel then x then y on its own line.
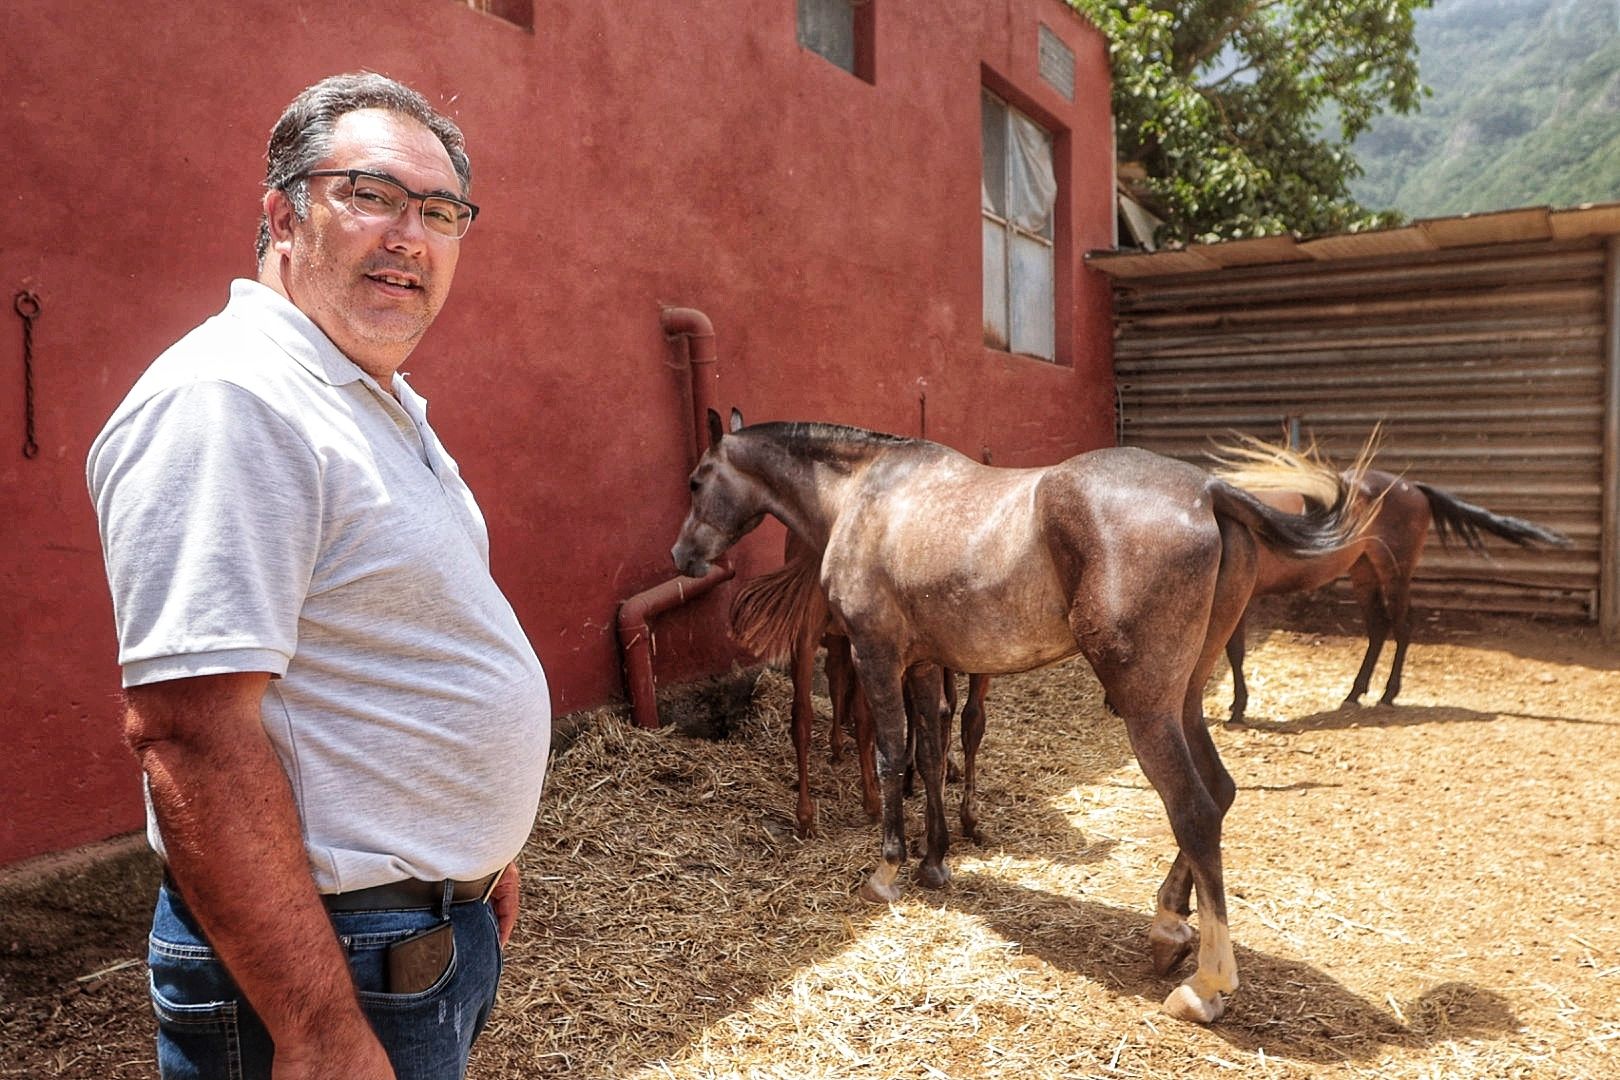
pixel 863 25
pixel 1056 244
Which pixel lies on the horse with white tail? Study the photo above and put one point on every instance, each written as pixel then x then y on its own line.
pixel 929 559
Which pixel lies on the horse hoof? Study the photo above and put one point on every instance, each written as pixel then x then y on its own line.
pixel 875 892
pixel 933 877
pixel 1170 947
pixel 1185 1004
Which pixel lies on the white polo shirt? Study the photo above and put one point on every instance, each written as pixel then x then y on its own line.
pixel 266 506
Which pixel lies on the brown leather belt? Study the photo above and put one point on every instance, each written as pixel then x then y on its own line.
pixel 408 894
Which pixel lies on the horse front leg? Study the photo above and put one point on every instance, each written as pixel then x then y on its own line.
pixel 931 728
pixel 879 675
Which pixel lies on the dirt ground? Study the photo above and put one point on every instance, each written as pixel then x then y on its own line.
pixel 1420 890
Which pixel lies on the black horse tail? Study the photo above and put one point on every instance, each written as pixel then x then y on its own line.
pixel 1464 520
pixel 1318 531
pixel 770 611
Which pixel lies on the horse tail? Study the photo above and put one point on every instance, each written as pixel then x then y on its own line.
pixel 770 611
pixel 1464 520
pixel 1336 512
pixel 1256 465
pixel 1318 531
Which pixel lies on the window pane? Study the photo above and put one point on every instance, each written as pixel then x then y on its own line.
pixel 995 284
pixel 828 27
pixel 1032 297
pixel 993 130
pixel 1031 182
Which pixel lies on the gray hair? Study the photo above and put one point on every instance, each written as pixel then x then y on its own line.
pixel 303 135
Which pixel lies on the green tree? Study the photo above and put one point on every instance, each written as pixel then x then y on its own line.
pixel 1242 112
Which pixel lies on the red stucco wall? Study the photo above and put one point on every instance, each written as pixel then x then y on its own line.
pixel 625 155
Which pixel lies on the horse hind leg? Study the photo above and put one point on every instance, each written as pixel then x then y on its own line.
pixel 1170 937
pixel 880 677
pixel 973 720
pixel 1154 721
pixel 1370 597
pixel 1400 617
pixel 931 720
pixel 1236 647
pixel 838 673
pixel 1195 820
pixel 803 717
pixel 845 690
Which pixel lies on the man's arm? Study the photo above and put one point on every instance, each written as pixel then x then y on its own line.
pixel 235 847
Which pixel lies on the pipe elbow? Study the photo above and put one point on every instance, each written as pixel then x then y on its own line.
pixel 693 324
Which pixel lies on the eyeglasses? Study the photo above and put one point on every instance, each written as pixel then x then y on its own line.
pixel 382 199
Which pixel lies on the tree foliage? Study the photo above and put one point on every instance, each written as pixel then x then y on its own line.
pixel 1242 112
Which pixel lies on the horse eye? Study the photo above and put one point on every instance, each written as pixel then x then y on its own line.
pixel 694 484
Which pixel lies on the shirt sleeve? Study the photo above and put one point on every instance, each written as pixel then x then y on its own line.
pixel 209 504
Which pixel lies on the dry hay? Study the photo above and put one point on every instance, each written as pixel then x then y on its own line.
pixel 1419 891
pixel 1416 891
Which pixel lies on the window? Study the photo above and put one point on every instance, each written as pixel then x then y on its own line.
pixel 517 12
pixel 839 30
pixel 1018 196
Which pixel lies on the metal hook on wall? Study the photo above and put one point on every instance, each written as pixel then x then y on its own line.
pixel 26 305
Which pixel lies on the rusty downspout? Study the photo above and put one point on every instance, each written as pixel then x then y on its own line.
pixel 691 327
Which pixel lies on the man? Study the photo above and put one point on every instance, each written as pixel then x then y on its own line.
pixel 342 726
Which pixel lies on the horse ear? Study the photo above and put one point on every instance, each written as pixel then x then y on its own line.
pixel 736 419
pixel 716 431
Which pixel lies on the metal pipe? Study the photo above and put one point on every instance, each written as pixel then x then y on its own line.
pixel 692 328
pixel 698 332
pixel 636 637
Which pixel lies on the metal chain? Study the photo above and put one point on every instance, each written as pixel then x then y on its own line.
pixel 27 306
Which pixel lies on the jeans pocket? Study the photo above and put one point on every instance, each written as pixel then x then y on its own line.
pixel 199 1028
pixel 368 964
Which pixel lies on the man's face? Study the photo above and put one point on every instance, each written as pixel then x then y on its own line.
pixel 373 286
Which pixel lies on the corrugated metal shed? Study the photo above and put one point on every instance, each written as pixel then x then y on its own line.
pixel 1484 346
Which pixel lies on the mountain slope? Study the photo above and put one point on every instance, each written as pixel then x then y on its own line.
pixel 1525 111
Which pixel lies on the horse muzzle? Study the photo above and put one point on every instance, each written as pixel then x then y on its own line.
pixel 688 561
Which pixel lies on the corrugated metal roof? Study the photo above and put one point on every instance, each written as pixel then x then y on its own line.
pixel 1429 234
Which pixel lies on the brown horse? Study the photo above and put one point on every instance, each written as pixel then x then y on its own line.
pixel 1380 561
pixel 783 616
pixel 1140 562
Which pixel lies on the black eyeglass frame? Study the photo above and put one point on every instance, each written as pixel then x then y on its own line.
pixel 420 196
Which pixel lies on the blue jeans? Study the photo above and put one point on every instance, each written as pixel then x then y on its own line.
pixel 207 1030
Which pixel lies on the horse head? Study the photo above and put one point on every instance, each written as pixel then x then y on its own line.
pixel 727 503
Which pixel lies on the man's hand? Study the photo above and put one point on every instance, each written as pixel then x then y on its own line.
pixel 505 902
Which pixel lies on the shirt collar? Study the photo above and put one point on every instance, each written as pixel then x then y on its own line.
pixel 279 319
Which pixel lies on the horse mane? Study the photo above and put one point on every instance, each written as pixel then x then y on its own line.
pixel 836 445
pixel 770 611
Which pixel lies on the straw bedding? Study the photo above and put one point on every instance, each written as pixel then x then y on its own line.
pixel 1417 891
